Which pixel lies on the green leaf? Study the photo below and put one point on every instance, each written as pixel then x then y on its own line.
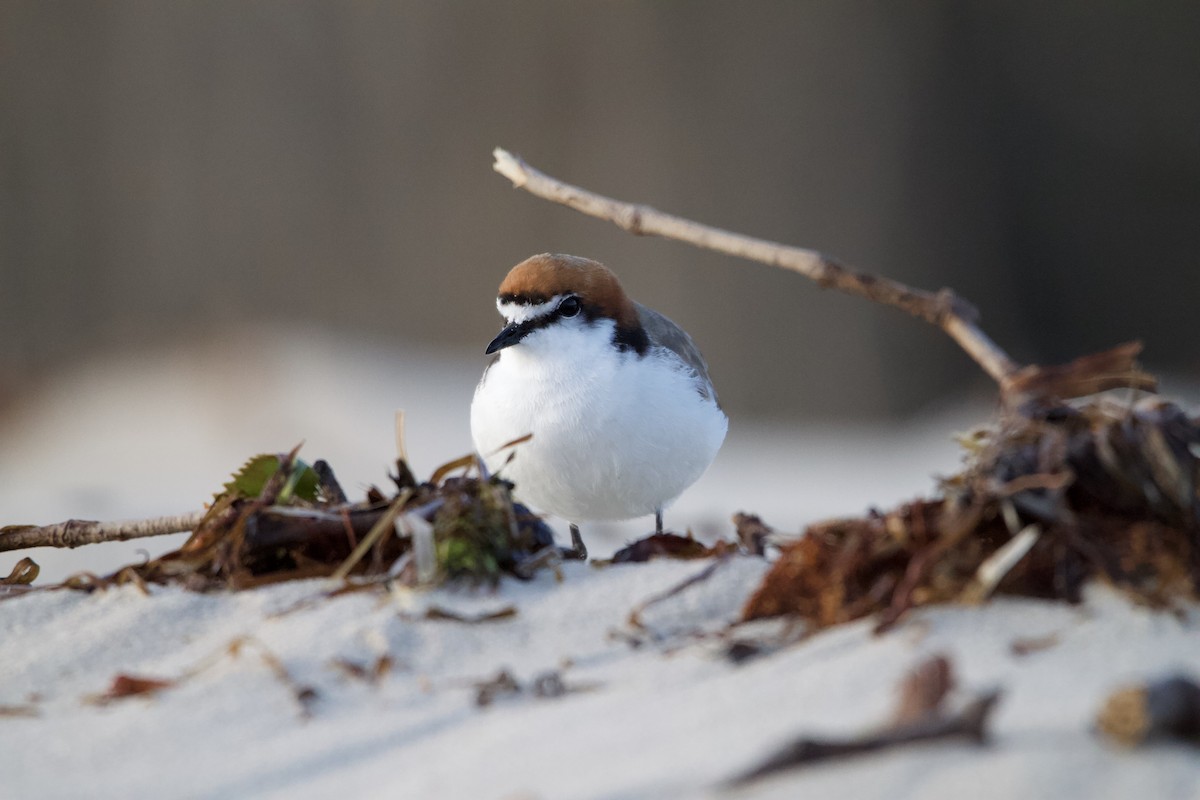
pixel 252 478
pixel 302 483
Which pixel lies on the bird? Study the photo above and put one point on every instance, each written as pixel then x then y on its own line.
pixel 617 397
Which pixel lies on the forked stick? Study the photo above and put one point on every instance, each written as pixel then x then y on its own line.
pixel 944 309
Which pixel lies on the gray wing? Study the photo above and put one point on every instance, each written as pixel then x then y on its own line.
pixel 664 333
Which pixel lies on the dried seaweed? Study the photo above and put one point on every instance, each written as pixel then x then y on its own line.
pixel 667 545
pixel 278 519
pixel 1053 494
pixel 124 686
pixel 752 533
pixel 24 572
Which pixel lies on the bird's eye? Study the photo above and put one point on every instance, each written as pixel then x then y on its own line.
pixel 569 307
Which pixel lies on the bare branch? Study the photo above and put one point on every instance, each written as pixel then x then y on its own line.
pixel 944 308
pixel 77 532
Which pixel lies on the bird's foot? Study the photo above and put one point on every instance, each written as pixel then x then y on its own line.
pixel 578 550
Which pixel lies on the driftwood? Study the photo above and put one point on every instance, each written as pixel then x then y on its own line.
pixel 944 309
pixel 78 532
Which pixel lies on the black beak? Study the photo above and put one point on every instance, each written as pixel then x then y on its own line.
pixel 507 338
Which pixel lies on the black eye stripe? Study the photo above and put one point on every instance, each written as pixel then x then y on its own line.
pixel 568 307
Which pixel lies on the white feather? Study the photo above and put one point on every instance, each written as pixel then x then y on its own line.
pixel 615 435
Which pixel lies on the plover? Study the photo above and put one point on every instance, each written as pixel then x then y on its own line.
pixel 622 413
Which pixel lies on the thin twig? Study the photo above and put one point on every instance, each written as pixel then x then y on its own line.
pixel 77 532
pixel 944 309
pixel 374 536
pixel 969 725
pixel 635 616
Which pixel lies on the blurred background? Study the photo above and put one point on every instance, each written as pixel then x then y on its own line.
pixel 231 226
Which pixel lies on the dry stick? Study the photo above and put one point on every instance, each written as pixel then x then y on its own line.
pixel 77 532
pixel 969 724
pixel 944 309
pixel 375 535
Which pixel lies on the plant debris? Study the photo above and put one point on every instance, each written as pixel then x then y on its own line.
pixel 1167 709
pixel 503 683
pixel 305 696
pixel 746 641
pixel 546 685
pixel 667 545
pixel 1028 645
pixel 124 686
pixel 1054 494
pixel 24 572
pixel 19 711
pixel 924 689
pixel 438 613
pixel 371 673
pixel 279 519
pixel 635 615
pixel 919 717
pixel 752 533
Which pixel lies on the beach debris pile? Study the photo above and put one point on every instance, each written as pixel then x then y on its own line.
pixel 279 519
pixel 1055 493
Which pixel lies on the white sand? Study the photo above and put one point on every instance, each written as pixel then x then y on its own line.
pixel 669 719
pixel 672 718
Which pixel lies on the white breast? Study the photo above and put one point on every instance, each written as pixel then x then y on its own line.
pixel 615 435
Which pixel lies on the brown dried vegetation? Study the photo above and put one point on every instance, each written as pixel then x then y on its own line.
pixel 1054 494
pixel 279 519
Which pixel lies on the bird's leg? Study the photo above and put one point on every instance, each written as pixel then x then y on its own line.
pixel 578 550
pixel 658 520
